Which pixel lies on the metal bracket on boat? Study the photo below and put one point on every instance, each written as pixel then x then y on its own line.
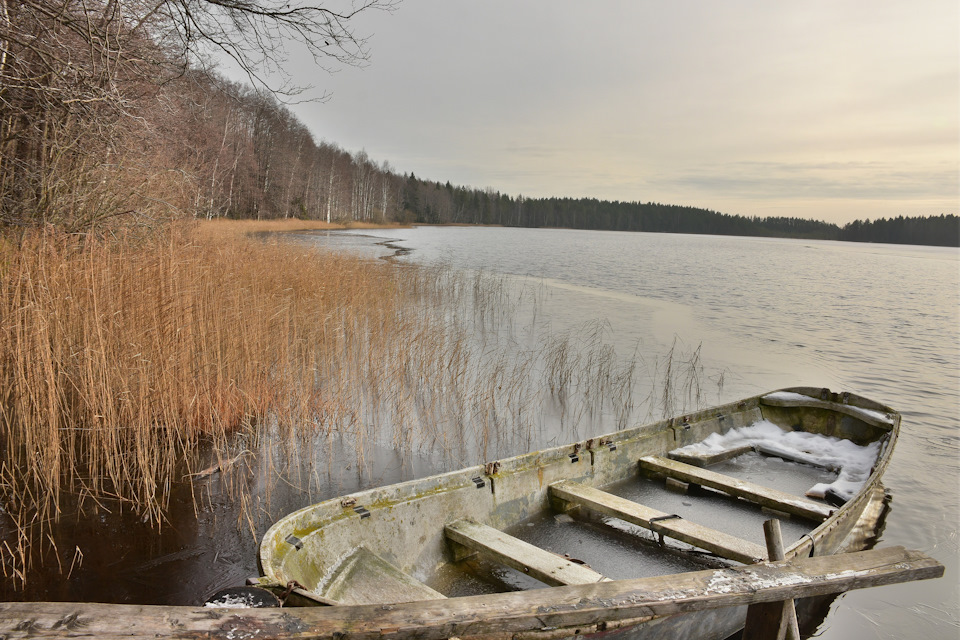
pixel 575 456
pixel 683 426
pixel 657 530
pixel 362 512
pixel 291 585
pixel 295 541
pixel 602 442
pixel 479 482
pixel 491 469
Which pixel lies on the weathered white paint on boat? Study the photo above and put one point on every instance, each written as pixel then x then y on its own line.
pixel 403 524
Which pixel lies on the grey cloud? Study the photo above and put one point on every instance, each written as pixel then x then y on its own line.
pixel 846 180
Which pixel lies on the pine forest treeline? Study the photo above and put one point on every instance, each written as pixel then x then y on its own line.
pixel 105 116
pixel 435 203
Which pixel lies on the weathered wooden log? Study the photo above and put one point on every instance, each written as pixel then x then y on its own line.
pixel 583 607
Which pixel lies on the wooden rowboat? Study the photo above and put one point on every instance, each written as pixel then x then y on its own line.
pixel 402 543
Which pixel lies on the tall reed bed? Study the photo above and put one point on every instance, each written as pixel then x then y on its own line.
pixel 120 357
pixel 132 364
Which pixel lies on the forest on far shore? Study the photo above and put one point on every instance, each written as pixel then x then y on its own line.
pixel 106 118
pixel 433 203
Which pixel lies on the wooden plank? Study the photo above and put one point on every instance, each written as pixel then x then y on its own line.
pixel 758 494
pixel 578 607
pixel 718 542
pixel 774 451
pixel 710 459
pixel 767 620
pixel 543 565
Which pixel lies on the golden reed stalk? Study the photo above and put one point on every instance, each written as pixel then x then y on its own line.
pixel 119 357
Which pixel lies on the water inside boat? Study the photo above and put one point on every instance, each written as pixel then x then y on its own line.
pixel 619 550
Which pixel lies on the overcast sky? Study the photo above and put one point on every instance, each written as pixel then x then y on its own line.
pixel 833 109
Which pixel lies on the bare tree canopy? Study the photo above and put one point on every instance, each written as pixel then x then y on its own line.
pixel 85 101
pixel 256 34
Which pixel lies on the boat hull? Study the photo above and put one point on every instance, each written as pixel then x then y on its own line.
pixel 402 524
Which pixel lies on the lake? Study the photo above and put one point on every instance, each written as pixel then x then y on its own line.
pixel 878 320
pixel 760 314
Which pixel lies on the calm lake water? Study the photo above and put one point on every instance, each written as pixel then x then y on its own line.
pixel 878 320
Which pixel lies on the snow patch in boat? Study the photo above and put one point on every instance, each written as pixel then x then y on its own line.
pixel 852 461
pixel 786 396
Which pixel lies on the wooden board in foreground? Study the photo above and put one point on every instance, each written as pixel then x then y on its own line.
pixel 584 607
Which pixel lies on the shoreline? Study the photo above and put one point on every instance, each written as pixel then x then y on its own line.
pixel 292 225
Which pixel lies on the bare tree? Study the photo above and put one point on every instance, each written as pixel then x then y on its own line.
pixel 81 83
pixel 256 34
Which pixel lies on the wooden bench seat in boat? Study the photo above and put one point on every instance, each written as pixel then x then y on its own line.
pixel 704 460
pixel 718 542
pixel 758 494
pixel 774 451
pixel 543 565
pixel 710 459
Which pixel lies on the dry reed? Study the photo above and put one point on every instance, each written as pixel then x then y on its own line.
pixel 130 365
pixel 119 358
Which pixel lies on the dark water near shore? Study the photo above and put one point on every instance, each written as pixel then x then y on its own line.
pixel 879 320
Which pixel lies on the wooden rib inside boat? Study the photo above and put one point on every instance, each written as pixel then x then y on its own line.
pixel 401 543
